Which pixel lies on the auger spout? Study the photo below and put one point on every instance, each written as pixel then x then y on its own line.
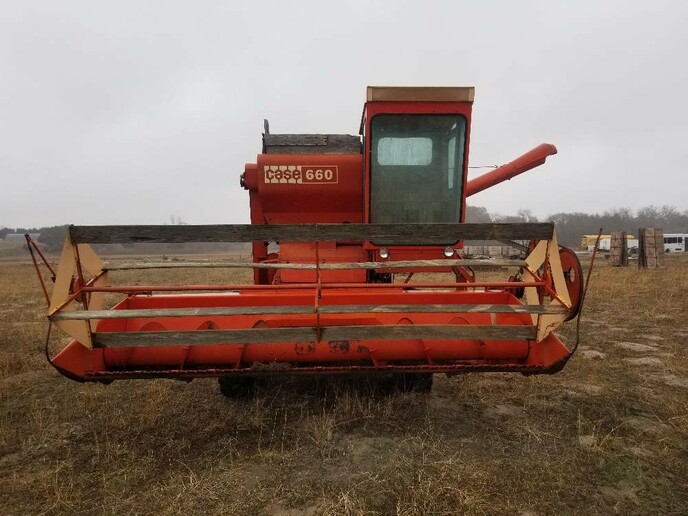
pixel 531 159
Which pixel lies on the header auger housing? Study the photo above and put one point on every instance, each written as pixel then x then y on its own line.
pixel 353 215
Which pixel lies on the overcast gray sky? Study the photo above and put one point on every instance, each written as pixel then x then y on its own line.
pixel 129 112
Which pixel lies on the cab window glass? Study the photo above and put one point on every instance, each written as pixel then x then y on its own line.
pixel 417 164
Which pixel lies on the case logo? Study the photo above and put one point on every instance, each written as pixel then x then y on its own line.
pixel 301 174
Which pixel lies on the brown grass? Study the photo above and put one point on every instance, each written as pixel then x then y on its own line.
pixel 605 435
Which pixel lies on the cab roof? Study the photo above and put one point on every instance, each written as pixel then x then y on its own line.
pixel 420 94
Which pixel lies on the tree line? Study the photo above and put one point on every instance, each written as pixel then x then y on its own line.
pixel 570 226
pixel 52 237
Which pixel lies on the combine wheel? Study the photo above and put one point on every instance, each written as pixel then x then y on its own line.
pixel 573 275
pixel 237 387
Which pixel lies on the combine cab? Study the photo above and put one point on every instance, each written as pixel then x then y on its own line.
pixel 355 217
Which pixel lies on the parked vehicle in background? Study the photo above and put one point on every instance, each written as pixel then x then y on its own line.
pixel 675 242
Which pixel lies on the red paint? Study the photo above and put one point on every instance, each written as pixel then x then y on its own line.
pixel 310 201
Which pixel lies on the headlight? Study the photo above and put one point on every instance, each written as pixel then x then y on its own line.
pixel 384 253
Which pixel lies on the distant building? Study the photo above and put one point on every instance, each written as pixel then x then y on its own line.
pixel 588 242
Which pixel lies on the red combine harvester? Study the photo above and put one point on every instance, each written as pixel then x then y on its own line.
pixel 355 218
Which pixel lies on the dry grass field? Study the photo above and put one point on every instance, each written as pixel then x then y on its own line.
pixel 609 434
